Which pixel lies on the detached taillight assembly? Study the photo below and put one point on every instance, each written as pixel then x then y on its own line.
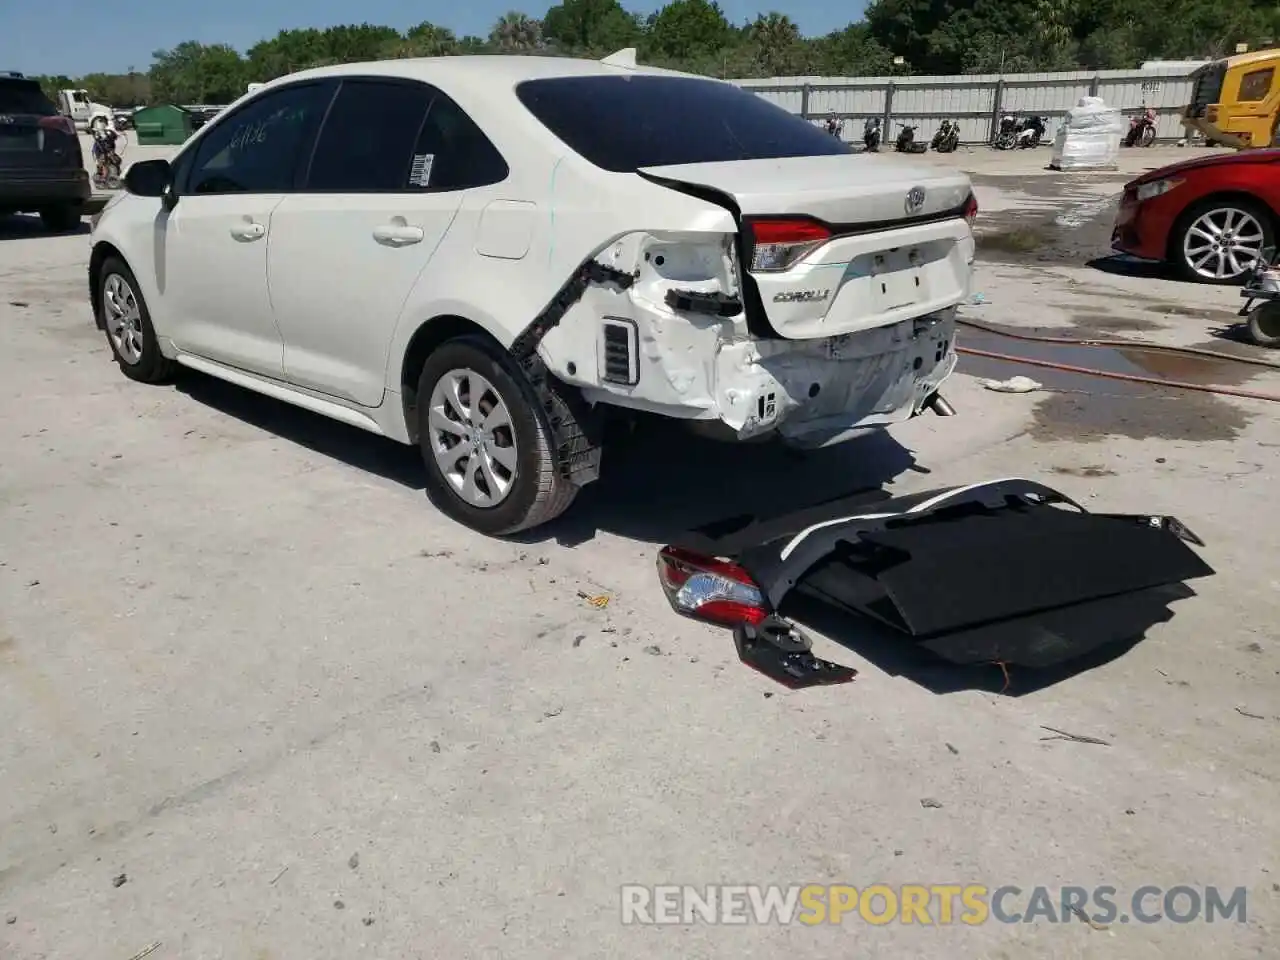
pixel 710 589
pixel 971 209
pixel 777 243
pixel 721 592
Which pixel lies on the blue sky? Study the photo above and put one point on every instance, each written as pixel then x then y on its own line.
pixel 126 34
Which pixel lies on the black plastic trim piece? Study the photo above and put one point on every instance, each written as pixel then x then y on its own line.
pixel 575 425
pixel 713 304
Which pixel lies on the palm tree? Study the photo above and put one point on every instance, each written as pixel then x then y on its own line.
pixel 777 38
pixel 516 33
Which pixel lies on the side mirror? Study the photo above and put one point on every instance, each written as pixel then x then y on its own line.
pixel 150 178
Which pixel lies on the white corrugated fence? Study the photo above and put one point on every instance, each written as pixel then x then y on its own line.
pixel 977 101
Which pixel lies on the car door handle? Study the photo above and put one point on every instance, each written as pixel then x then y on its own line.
pixel 397 233
pixel 248 230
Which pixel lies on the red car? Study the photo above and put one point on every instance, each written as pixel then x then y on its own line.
pixel 1210 217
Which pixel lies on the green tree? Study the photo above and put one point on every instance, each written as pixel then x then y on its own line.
pixel 287 51
pixel 778 45
pixel 424 40
pixel 685 29
pixel 851 52
pixel 591 26
pixel 516 33
pixel 197 73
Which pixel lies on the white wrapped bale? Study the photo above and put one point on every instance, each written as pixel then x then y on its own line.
pixel 1089 137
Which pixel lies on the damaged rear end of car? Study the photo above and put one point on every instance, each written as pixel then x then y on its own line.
pixel 823 305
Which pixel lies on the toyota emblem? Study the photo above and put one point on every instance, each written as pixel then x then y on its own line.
pixel 915 199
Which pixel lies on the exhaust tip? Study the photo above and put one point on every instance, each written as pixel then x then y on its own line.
pixel 939 405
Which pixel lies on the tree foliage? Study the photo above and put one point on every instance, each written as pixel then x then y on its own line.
pixel 932 37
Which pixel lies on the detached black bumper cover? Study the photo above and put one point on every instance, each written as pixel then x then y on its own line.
pixel 1008 571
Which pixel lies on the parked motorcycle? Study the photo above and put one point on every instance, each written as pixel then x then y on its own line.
pixel 947 137
pixel 906 142
pixel 1142 129
pixel 834 126
pixel 871 134
pixel 1019 132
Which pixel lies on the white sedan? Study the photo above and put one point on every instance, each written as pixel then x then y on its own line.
pixel 485 255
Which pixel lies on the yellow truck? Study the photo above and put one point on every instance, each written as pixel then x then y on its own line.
pixel 1236 101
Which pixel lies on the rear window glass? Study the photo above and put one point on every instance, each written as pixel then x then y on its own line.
pixel 25 96
pixel 1255 86
pixel 624 122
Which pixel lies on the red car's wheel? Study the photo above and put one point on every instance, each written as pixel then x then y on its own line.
pixel 1219 240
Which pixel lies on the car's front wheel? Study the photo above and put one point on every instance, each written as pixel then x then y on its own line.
pixel 486 441
pixel 123 314
pixel 1219 241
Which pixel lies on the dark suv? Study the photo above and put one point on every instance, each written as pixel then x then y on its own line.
pixel 41 164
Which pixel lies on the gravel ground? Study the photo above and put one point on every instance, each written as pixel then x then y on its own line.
pixel 260 700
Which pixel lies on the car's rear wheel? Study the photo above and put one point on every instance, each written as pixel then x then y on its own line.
pixel 62 218
pixel 486 441
pixel 123 314
pixel 1218 241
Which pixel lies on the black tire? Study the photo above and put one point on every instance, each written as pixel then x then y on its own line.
pixel 1148 137
pixel 1189 216
pixel 1264 324
pixel 538 492
pixel 150 366
pixel 63 218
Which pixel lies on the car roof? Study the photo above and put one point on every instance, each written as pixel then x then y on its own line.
pixel 482 68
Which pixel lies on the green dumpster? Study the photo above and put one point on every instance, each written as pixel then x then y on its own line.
pixel 162 124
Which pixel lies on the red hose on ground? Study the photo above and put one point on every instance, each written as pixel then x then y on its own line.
pixel 1118 344
pixel 1129 378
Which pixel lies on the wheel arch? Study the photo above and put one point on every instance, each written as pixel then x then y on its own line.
pixel 102 251
pixel 428 336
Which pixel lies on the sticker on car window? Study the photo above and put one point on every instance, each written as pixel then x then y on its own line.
pixel 420 173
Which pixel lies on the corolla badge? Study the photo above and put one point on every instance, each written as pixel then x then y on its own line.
pixel 915 199
pixel 801 296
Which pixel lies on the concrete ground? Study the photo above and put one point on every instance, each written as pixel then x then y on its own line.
pixel 261 701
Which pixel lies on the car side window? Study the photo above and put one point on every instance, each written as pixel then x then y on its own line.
pixel 452 153
pixel 1256 85
pixel 257 149
pixel 367 143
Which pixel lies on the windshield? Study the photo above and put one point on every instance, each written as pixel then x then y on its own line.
pixel 25 96
pixel 621 123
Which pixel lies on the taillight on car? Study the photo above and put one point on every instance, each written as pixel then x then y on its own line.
pixel 776 244
pixel 971 209
pixel 1156 188
pixel 709 589
pixel 61 124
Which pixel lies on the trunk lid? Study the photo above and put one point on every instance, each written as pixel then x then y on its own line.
pixel 898 245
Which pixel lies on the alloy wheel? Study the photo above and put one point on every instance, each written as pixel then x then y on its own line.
pixel 123 318
pixel 472 438
pixel 1223 243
